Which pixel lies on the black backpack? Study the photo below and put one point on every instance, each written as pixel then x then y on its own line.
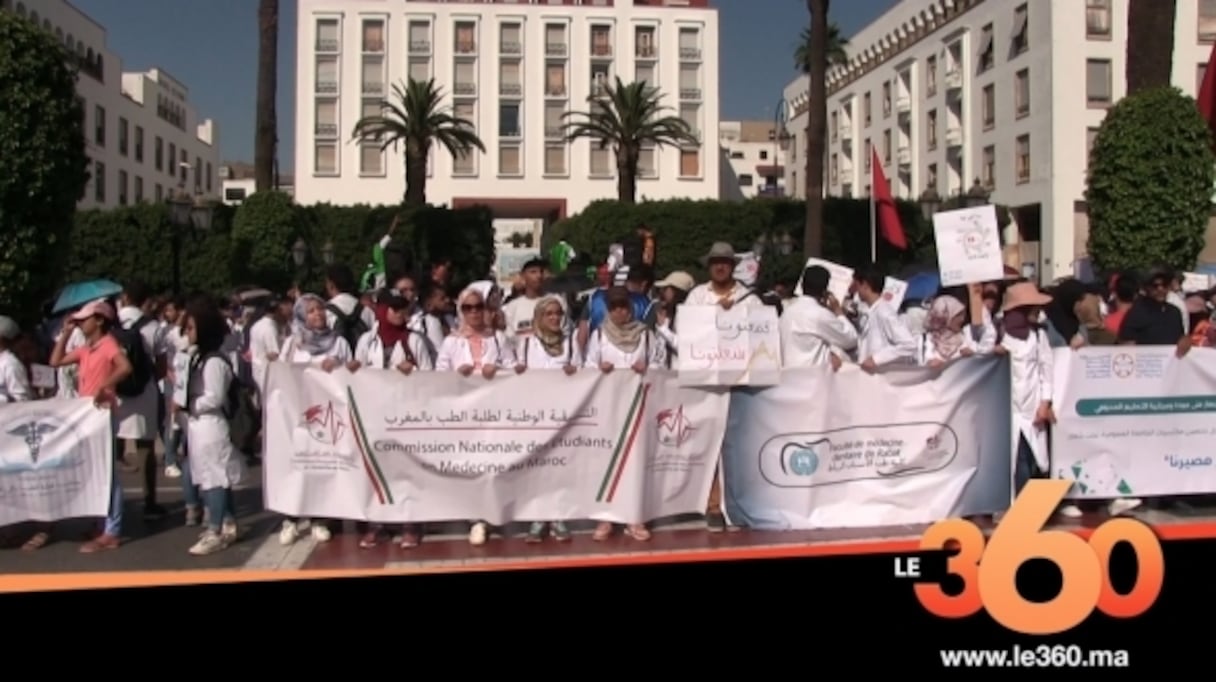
pixel 237 408
pixel 350 327
pixel 143 370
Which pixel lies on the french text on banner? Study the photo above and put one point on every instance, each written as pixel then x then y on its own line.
pixel 736 347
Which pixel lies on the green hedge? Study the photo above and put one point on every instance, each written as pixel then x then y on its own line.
pixel 685 229
pixel 252 245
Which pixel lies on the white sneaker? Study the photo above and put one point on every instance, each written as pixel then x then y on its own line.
pixel 289 534
pixel 320 533
pixel 173 471
pixel 210 543
pixel 477 534
pixel 1071 511
pixel 1123 505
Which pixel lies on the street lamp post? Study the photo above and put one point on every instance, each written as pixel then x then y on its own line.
pixel 327 252
pixel 186 212
pixel 976 196
pixel 781 137
pixel 930 202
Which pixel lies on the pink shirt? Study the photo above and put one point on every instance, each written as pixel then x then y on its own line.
pixel 96 365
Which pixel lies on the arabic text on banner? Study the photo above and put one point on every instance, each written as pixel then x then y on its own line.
pixel 968 246
pixel 56 460
pixel 1135 421
pixel 736 347
pixel 848 449
pixel 377 446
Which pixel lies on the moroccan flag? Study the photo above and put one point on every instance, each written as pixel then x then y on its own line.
pixel 884 206
pixel 1207 93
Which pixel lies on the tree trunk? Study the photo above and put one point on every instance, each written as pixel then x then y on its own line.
pixel 1150 43
pixel 266 135
pixel 816 128
pixel 415 178
pixel 627 176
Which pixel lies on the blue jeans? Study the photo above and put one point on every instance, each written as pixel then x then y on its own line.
pixel 220 507
pixel 114 518
pixel 173 439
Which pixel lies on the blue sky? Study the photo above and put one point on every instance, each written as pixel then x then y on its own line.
pixel 212 47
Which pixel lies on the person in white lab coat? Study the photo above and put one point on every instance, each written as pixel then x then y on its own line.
pixel 14 377
pixel 313 341
pixel 884 338
pixel 622 342
pixel 1031 370
pixel 814 328
pixel 215 464
pixel 475 346
pixel 949 337
pixel 549 345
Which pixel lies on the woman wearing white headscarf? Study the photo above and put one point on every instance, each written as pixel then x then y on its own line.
pixel 948 336
pixel 312 342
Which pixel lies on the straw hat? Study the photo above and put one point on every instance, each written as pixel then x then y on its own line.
pixel 679 280
pixel 720 251
pixel 1024 294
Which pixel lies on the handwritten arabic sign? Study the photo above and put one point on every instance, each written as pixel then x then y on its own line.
pixel 968 246
pixel 539 446
pixel 736 347
pixel 1135 421
pixel 55 460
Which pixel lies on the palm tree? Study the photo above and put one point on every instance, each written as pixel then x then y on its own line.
pixel 837 48
pixel 628 117
pixel 816 127
pixel 266 131
pixel 417 118
pixel 1150 43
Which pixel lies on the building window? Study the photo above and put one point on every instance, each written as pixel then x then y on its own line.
pixel 184 166
pixel 139 190
pixel 466 111
pixel 554 120
pixel 420 70
pixel 865 109
pixel 466 79
pixel 373 76
pixel 159 154
pixel 510 83
pixel 234 194
pixel 690 44
pixel 160 193
pixel 931 177
pixel 1021 36
pixel 509 161
pixel 373 36
pixel 1098 83
pixel 690 163
pixel 171 161
pixel 931 129
pixel 690 81
pixel 869 155
pixel 198 175
pixel 834 169
pixel 139 144
pixel 209 174
pixel 328 36
pixel 99 125
pixel 834 126
pixel 1091 135
pixel 691 115
pixel 1200 72
pixel 601 41
pixel 99 182
pixel 601 161
pixel 645 73
pixel 1097 18
pixel 371 159
pixel 1021 93
pixel 420 37
pixel 644 37
pixel 1207 21
pixel 988 167
pixel 511 39
pixel 1023 159
pixel 647 163
pixel 986 51
pixel 509 124
pixel 886 146
pixel 763 155
pixel 931 76
pixel 464 164
pixel 746 180
pixel 989 106
pixel 123 181
pixel 124 134
pixel 555 80
pixel 326 162
pixel 466 37
pixel 555 40
pixel 886 99
pixel 326 120
pixel 555 160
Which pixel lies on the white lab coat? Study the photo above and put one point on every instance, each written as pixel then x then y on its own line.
pixel 1032 372
pixel 926 352
pixel 213 459
pixel 340 351
pixel 137 418
pixel 532 354
pixel 456 353
pixel 369 352
pixel 600 350
pixel 14 379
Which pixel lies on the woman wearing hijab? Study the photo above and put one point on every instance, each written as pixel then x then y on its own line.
pixel 622 342
pixel 673 290
pixel 475 346
pixel 312 342
pixel 549 347
pixel 1031 370
pixel 391 345
pixel 946 336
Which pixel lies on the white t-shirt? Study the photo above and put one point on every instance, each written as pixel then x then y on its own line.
pixel 519 313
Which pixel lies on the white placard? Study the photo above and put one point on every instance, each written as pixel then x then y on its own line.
pixel 968 246
pixel 42 376
pixel 736 347
pixel 893 292
pixel 1194 281
pixel 839 282
pixel 748 269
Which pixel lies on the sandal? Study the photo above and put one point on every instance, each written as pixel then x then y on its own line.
pixel 536 533
pixel 409 540
pixel 638 532
pixel 100 543
pixel 370 539
pixel 602 532
pixel 37 542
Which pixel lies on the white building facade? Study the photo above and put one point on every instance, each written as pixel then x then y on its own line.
pixel 1008 93
pixel 513 69
pixel 753 155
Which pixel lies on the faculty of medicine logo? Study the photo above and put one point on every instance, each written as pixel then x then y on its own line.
pixel 1123 365
pixel 32 432
pixel 324 424
pixel 801 459
pixel 674 428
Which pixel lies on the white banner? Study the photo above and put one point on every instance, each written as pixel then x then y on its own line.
pixel 850 449
pixel 56 460
pixel 539 446
pixel 736 347
pixel 1135 421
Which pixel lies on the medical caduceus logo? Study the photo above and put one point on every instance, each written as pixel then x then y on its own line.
pixel 33 432
pixel 324 424
pixel 674 428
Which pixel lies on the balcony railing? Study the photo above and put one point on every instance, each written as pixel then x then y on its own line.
pixel 465 88
pixel 954 79
pixel 690 93
pixel 327 45
pixel 903 105
pixel 327 130
pixel 373 87
pixel 420 47
pixel 646 52
pixel 554 132
pixel 690 54
pixel 509 133
pixel 555 91
pixel 510 89
pixel 466 47
pixel 601 50
pixel 511 47
pixel 905 156
pixel 555 49
pixel 954 137
pixel 327 87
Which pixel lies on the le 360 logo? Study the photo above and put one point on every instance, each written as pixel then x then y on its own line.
pixel 989 568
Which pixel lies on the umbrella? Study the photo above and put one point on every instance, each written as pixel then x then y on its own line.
pixel 253 295
pixel 79 293
pixel 922 286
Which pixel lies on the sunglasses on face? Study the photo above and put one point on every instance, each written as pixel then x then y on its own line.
pixel 472 307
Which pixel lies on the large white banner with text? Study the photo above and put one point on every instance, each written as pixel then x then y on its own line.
pixel 849 449
pixel 1135 421
pixel 736 347
pixel 379 446
pixel 56 460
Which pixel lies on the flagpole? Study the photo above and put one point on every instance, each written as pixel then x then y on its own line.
pixel 873 231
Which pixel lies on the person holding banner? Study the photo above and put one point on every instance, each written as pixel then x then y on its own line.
pixel 1032 372
pixel 947 336
pixel 313 341
pixel 391 344
pixel 475 346
pixel 814 328
pixel 884 339
pixel 622 341
pixel 549 346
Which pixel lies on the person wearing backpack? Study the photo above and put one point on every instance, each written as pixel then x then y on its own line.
pixel 347 316
pixel 214 461
pixel 139 406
